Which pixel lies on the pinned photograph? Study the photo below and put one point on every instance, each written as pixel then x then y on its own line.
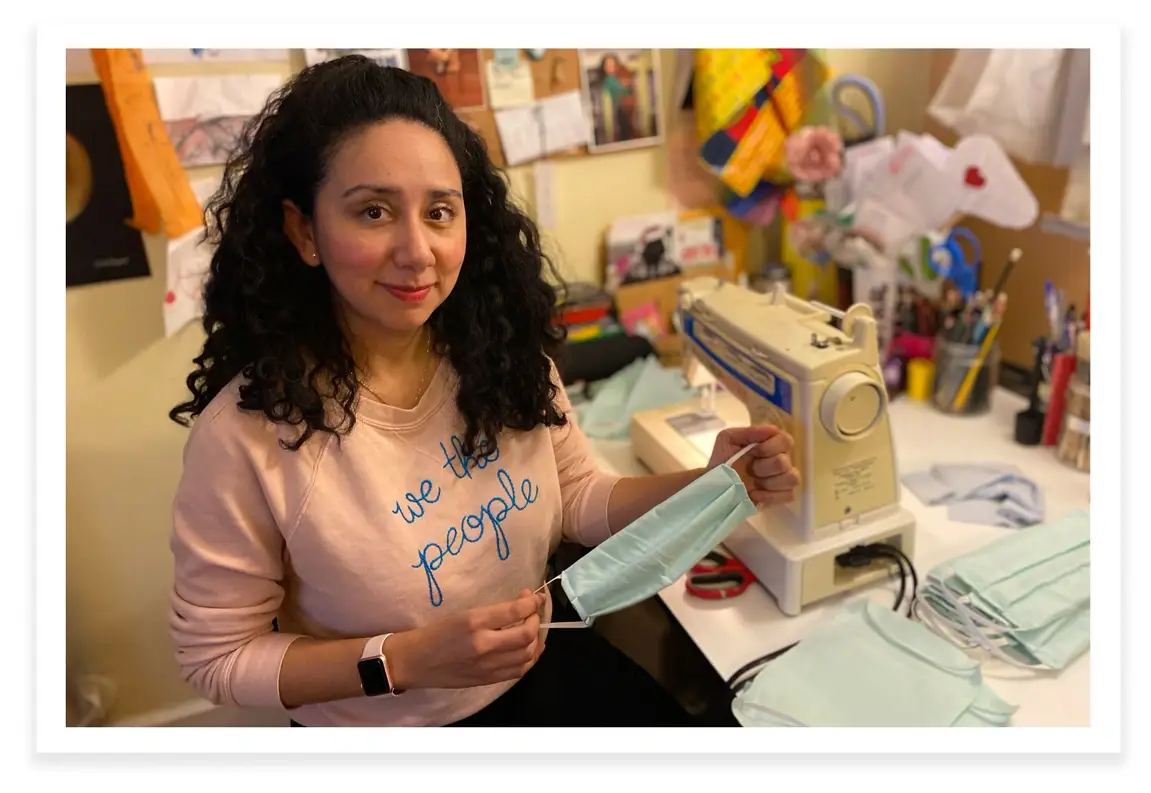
pixel 621 89
pixel 457 73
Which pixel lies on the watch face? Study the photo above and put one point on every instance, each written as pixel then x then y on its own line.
pixel 373 677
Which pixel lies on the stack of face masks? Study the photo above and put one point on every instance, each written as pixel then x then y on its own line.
pixel 641 385
pixel 1026 598
pixel 870 667
pixel 657 548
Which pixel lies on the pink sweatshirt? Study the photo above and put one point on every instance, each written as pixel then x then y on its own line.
pixel 385 531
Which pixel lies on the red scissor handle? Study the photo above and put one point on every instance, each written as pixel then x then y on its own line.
pixel 717 577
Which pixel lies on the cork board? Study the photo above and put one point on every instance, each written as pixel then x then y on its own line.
pixel 1046 256
pixel 557 72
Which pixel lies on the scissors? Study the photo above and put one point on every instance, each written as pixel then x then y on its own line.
pixel 949 260
pixel 864 131
pixel 718 577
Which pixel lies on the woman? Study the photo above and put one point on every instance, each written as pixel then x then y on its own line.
pixel 617 86
pixel 383 458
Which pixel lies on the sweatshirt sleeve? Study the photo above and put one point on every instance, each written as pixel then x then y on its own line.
pixel 228 552
pixel 584 488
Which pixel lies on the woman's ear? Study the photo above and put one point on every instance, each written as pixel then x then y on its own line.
pixel 299 231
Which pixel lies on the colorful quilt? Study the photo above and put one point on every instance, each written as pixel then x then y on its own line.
pixel 747 102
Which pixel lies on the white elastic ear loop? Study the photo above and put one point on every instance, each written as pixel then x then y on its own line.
pixel 545 585
pixel 740 453
pixel 968 617
pixel 970 630
pixel 950 627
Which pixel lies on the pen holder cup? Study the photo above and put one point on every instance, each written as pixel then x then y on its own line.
pixel 963 386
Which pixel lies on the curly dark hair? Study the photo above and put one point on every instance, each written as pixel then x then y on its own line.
pixel 272 319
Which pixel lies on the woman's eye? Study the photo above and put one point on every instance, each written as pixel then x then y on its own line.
pixel 374 212
pixel 442 214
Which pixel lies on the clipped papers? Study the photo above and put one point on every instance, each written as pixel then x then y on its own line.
pixel 552 125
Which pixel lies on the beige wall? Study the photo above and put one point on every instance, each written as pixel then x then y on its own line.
pixel 123 376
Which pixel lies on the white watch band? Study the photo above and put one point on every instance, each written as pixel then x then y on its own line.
pixel 375 649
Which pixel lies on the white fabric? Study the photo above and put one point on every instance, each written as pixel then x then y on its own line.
pixel 1015 96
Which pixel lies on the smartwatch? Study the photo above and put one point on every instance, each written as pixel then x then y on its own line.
pixel 375 675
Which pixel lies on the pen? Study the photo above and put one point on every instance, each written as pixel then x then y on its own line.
pixel 1054 303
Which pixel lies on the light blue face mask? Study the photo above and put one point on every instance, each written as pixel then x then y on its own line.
pixel 657 548
pixel 642 385
pixel 1025 598
pixel 870 667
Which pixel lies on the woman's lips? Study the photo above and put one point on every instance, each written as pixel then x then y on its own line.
pixel 408 294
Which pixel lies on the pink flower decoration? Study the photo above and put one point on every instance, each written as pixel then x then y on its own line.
pixel 813 154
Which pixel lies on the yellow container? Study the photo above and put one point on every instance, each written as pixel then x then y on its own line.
pixel 920 378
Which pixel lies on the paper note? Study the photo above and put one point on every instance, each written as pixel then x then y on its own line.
pixel 161 196
pixel 506 58
pixel 886 226
pixel 550 126
pixel 910 185
pixel 543 172
pixel 205 115
pixel 188 260
pixel 521 134
pixel 564 121
pixel 210 96
pixel 509 86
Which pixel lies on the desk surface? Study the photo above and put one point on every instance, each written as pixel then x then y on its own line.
pixel 732 633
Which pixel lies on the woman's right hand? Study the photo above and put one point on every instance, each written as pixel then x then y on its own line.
pixel 491 644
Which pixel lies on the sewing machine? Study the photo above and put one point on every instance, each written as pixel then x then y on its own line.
pixel 781 362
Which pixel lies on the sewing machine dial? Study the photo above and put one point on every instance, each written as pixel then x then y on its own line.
pixel 852 404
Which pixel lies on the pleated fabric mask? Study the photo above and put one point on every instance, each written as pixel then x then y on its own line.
pixel 657 548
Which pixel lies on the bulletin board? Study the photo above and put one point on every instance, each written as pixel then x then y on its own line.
pixel 557 72
pixel 1063 261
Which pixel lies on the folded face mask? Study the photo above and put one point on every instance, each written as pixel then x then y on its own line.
pixel 871 667
pixel 644 384
pixel 1025 598
pixel 659 547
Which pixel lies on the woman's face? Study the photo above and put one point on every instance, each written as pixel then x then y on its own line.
pixel 609 65
pixel 389 225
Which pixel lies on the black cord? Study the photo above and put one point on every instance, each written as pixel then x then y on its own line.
pixel 859 556
pixel 750 665
pixel 884 553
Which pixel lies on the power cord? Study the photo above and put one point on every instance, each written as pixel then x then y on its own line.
pixel 859 556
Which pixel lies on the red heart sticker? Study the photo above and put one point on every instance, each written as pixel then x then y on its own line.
pixel 974 177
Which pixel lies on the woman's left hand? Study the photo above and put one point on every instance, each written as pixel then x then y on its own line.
pixel 766 470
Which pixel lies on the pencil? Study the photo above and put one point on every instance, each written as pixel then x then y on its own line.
pixel 968 383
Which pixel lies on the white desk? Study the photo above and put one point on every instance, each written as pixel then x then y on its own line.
pixel 731 633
